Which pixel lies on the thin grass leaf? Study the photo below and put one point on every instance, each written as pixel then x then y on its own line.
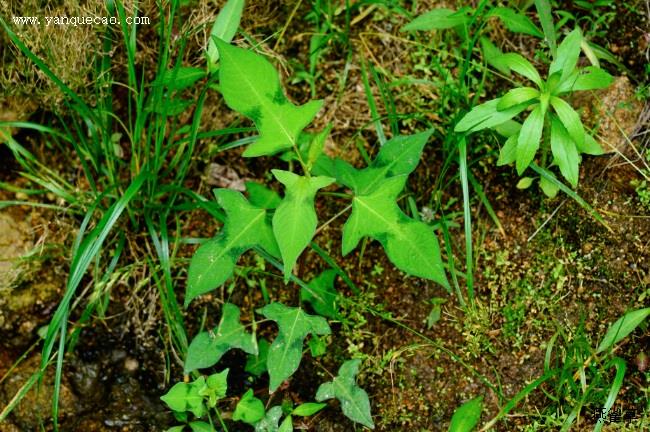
pixel 622 328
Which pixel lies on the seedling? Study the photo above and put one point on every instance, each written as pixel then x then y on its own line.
pixel 552 123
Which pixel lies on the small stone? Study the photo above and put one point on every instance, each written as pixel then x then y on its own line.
pixel 131 364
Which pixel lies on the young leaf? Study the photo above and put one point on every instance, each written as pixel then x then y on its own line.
pixel 570 119
pixel 517 96
pixel 308 409
pixel 467 416
pixel 256 364
pixel 519 64
pixel 398 156
pixel 508 153
pixel 215 387
pixel 249 409
pixel 207 348
pixel 321 294
pixel 185 397
pixel 550 189
pixel 565 153
pixel 251 86
pixel 224 28
pixel 354 400
pixel 528 140
pixel 622 327
pixel 525 183
pixel 516 22
pixel 436 19
pixel 567 54
pixel 286 350
pixel 245 227
pixel 295 220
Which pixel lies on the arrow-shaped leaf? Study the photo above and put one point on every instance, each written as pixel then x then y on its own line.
pixel 411 245
pixel 251 86
pixel 295 220
pixel 286 350
pixel 354 399
pixel 245 227
pixel 207 348
pixel 185 397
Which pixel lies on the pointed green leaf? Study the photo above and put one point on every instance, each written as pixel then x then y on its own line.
pixel 354 400
pixel 321 295
pixel 529 137
pixel 207 348
pixel 287 425
pixel 622 327
pixel 516 22
pixel 487 115
pixel 525 183
pixel 508 153
pixel 249 409
pixel 185 397
pixel 245 227
pixel 224 28
pixel 436 19
pixel 590 146
pixel 565 153
pixel 570 119
pixel 179 428
pixel 182 77
pixel 200 426
pixel 567 54
pixel 295 220
pixel 492 56
pixel 270 421
pixel 508 129
pixel 215 388
pixel 373 215
pixel 256 364
pixel 589 78
pixel 467 416
pixel 519 64
pixel 517 96
pixel 413 247
pixel 410 245
pixel 286 350
pixel 549 188
pixel 398 156
pixel 308 409
pixel 251 86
